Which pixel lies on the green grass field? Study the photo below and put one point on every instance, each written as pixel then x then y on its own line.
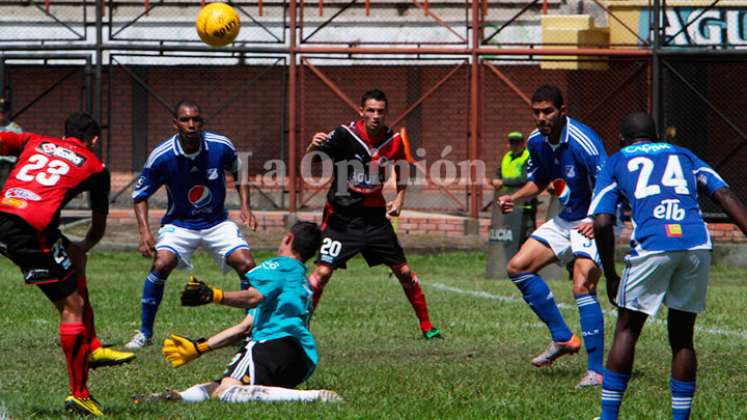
pixel 371 349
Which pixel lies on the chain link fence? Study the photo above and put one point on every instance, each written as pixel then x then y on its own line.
pixel 429 99
pixel 703 111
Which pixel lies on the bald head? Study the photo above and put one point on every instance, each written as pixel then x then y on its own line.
pixel 638 125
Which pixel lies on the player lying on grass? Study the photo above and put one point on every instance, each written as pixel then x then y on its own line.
pixel 280 352
pixel 670 252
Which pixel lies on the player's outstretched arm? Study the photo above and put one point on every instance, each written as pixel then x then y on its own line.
pixel 733 207
pixel 198 293
pixel 604 236
pixel 179 350
pixel 530 190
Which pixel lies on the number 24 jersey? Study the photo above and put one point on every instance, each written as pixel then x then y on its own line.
pixel 660 182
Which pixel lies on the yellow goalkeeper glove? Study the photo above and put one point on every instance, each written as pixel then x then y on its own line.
pixel 180 350
pixel 198 293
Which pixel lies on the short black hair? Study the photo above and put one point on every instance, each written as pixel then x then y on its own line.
pixel 638 125
pixel 307 238
pixel 375 94
pixel 81 126
pixel 188 103
pixel 548 93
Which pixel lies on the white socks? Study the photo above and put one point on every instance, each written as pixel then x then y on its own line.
pixel 248 393
pixel 195 394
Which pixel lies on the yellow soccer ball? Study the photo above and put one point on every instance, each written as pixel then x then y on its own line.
pixel 218 24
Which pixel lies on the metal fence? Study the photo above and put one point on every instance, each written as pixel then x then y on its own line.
pixel 458 75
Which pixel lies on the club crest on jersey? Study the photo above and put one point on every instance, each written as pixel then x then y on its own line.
pixel 200 196
pixel 23 194
pixel 570 171
pixel 61 152
pixel 562 191
pixel 212 174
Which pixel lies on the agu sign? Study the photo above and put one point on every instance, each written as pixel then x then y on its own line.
pixel 685 24
pixel 717 26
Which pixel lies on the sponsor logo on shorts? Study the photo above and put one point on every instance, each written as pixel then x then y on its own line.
pixel 200 196
pixel 61 152
pixel 22 193
pixel 14 202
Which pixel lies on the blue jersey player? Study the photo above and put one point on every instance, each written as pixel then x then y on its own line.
pixel 670 252
pixel 280 352
pixel 191 165
pixel 568 154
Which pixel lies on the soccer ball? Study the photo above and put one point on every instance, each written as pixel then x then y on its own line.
pixel 218 24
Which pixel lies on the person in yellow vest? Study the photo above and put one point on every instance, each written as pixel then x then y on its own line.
pixel 512 175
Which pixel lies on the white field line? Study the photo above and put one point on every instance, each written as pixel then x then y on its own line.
pixel 561 305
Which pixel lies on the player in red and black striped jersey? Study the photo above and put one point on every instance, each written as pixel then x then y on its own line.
pixel 356 216
pixel 48 174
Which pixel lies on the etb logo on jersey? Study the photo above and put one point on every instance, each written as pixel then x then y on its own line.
pixel 200 196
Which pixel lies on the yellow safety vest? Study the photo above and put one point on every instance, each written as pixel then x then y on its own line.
pixel 514 172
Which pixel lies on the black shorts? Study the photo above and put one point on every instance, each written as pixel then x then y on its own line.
pixel 370 234
pixel 280 362
pixel 41 256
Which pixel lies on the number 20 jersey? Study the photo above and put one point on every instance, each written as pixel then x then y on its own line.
pixel 49 173
pixel 660 181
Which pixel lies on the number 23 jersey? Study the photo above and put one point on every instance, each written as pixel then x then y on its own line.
pixel 660 181
pixel 49 173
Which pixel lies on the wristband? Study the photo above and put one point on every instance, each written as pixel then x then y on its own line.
pixel 217 295
pixel 202 346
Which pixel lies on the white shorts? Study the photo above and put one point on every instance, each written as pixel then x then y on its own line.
pixel 566 243
pixel 220 241
pixel 679 279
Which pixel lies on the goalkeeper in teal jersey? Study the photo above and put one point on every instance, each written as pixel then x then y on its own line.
pixel 280 352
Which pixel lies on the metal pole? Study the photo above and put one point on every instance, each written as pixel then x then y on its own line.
pixel 99 65
pixel 474 202
pixel 656 66
pixel 2 75
pixel 292 147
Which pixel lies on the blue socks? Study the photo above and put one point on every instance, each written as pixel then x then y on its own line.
pixel 682 398
pixel 152 295
pixel 592 327
pixel 613 388
pixel 540 299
